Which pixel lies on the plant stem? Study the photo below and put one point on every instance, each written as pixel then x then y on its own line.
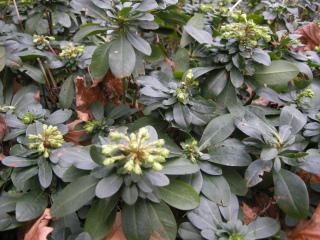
pixel 18 14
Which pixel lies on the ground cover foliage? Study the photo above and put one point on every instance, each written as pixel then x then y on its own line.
pixel 159 119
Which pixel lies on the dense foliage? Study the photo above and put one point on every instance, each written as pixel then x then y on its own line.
pixel 177 116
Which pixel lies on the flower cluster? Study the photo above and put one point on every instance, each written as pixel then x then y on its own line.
pixel 135 151
pixel 191 149
pixel 182 94
pixel 70 51
pixel 41 40
pixel 50 138
pixel 247 33
pixel 307 93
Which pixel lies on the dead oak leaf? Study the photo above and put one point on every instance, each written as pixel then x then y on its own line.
pixel 85 96
pixel 307 230
pixel 40 230
pixel 310 36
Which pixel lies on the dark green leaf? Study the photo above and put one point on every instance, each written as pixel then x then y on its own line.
pixel 74 196
pixel 180 195
pixel 291 193
pixel 122 58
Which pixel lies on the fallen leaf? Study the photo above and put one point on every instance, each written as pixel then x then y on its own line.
pixel 262 206
pixel 307 229
pixel 310 36
pixel 3 127
pixel 75 135
pixel 113 88
pixel 308 177
pixel 249 213
pixel 85 96
pixel 39 229
pixel 117 233
pixel 170 63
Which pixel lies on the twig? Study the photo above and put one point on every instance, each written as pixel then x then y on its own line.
pixel 235 5
pixel 18 14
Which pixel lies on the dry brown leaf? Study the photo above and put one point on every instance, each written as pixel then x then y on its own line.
pixel 113 88
pixel 307 229
pixel 85 97
pixel 75 135
pixel 3 127
pixel 249 213
pixel 170 63
pixel 117 233
pixel 308 177
pixel 310 36
pixel 40 230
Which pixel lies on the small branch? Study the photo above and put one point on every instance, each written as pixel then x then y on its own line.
pixel 18 14
pixel 235 5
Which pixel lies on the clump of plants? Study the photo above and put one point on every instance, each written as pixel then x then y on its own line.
pixel 177 119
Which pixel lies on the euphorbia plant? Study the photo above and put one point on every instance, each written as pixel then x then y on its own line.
pixel 129 169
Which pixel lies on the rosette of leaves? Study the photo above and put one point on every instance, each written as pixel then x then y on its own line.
pixel 45 17
pixel 280 13
pixel 128 168
pixel 180 101
pixel 121 24
pixel 27 110
pixel 280 150
pixel 212 161
pixel 211 221
pixel 31 156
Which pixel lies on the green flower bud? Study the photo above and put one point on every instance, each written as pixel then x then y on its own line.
pixel 28 118
pixel 157 166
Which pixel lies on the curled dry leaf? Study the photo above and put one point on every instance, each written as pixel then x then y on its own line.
pixel 117 233
pixel 40 230
pixel 310 36
pixel 3 127
pixel 307 230
pixel 75 135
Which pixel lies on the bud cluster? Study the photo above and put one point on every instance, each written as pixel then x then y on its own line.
pixel 247 33
pixel 307 93
pixel 90 126
pixel 6 108
pixel 71 51
pixel 134 152
pixel 42 41
pixel 28 118
pixel 191 149
pixel 182 92
pixel 50 138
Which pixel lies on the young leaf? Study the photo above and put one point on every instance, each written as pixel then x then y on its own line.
pixel 108 186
